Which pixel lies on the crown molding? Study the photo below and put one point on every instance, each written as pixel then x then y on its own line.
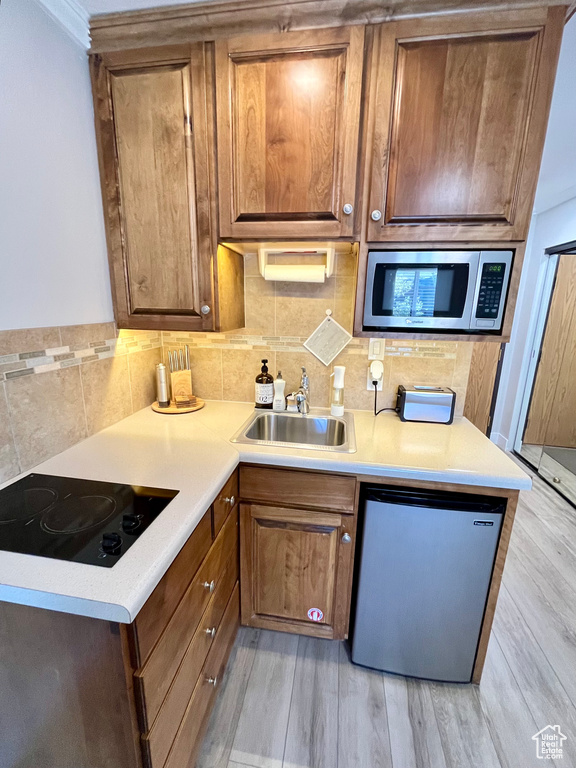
pixel 71 17
pixel 213 19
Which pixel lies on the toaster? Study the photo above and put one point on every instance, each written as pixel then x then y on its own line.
pixel 426 403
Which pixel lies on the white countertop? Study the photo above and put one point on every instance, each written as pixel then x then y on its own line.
pixel 192 453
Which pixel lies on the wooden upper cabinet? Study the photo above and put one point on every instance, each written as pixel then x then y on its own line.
pixel 288 107
pixel 155 130
pixel 460 108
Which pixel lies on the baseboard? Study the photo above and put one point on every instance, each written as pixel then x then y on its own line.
pixel 500 440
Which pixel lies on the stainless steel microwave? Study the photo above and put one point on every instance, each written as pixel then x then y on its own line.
pixel 436 290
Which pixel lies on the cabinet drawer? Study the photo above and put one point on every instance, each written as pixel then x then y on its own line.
pixel 158 609
pixel 188 739
pixel 155 677
pixel 224 502
pixel 174 706
pixel 285 487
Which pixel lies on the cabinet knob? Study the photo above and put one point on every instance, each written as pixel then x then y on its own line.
pixel 376 215
pixel 230 500
pixel 209 585
pixel 347 208
pixel 556 480
pixel 210 631
pixel 212 681
pixel 205 309
pixel 346 538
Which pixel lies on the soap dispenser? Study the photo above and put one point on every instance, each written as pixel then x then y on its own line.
pixel 264 394
pixel 337 402
pixel 279 403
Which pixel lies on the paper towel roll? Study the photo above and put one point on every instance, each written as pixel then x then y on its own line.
pixel 296 273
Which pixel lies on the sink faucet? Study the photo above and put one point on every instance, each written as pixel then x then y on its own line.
pixel 303 394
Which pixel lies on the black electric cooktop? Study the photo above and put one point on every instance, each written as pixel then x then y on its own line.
pixel 84 521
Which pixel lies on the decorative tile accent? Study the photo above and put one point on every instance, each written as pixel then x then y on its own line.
pixel 43 360
pixel 46 405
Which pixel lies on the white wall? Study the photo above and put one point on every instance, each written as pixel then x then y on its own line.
pixel 554 223
pixel 557 180
pixel 53 265
pixel 552 227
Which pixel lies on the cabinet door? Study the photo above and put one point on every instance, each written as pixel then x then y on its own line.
pixel 151 120
pixel 460 113
pixel 296 568
pixel 288 121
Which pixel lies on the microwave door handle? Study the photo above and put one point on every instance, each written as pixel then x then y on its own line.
pixel 473 288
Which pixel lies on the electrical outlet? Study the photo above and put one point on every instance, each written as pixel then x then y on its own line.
pixel 375 373
pixel 376 349
pixel 369 381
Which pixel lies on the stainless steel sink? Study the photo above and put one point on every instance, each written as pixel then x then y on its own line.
pixel 316 430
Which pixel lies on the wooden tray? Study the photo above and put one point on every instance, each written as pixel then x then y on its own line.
pixel 173 409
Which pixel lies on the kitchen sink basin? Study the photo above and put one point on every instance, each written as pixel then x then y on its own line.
pixel 315 430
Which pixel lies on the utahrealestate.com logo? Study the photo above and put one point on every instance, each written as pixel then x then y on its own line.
pixel 549 743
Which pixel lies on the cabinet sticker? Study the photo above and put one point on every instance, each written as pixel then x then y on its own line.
pixel 315 614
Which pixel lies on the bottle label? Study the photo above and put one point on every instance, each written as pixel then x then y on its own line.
pixel 264 394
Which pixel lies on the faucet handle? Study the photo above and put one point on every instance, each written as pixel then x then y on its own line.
pixel 302 403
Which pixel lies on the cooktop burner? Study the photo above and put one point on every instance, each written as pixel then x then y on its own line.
pixel 22 505
pixel 78 513
pixel 85 521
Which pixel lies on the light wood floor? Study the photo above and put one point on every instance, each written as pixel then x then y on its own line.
pixel 296 702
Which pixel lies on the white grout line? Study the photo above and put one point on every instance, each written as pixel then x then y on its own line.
pixel 83 401
pixel 11 425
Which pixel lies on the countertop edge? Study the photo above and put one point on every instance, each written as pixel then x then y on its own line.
pixel 448 476
pixel 79 606
pixel 129 601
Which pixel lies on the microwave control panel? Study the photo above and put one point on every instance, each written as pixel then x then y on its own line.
pixel 492 280
pixel 490 293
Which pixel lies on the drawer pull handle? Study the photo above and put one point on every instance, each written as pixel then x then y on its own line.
pixel 346 538
pixel 211 631
pixel 209 585
pixel 230 500
pixel 212 681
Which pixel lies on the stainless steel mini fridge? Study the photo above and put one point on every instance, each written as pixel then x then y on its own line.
pixel 425 567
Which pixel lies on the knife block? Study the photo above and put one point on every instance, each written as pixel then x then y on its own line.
pixel 181 384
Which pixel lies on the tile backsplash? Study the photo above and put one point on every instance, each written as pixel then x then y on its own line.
pixel 59 385
pixel 224 366
pixel 280 317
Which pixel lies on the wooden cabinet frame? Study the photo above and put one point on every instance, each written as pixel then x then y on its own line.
pixel 299 500
pixel 511 497
pixel 334 626
pixel 380 157
pixel 207 269
pixel 348 43
pixel 503 337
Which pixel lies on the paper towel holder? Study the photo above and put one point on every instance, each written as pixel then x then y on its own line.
pixel 329 253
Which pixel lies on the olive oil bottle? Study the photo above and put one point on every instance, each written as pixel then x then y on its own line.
pixel 264 397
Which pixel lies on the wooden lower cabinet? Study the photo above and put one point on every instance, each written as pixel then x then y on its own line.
pixel 177 681
pixel 295 569
pixel 212 584
pixel 189 737
pixel 133 695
